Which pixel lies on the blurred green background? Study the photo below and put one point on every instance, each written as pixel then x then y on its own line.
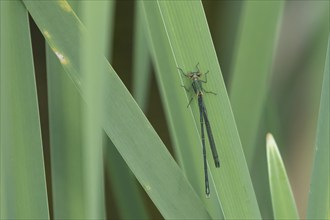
pixel 290 92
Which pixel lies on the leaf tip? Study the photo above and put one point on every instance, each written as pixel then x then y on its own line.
pixel 270 142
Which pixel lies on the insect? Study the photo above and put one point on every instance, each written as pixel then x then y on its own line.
pixel 197 85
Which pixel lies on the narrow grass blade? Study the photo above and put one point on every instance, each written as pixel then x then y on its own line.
pixel 318 204
pixel 65 134
pixel 180 37
pixel 93 45
pixel 253 67
pixel 124 185
pixel 23 184
pixel 123 121
pixel 125 188
pixel 65 131
pixel 141 65
pixel 284 206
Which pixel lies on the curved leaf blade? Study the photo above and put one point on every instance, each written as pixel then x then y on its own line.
pixel 284 206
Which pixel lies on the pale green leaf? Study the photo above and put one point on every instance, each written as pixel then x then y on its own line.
pixel 23 183
pixel 284 206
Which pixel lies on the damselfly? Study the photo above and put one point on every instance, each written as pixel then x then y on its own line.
pixel 197 85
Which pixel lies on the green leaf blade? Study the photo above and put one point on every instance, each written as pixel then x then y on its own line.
pixel 65 116
pixel 181 38
pixel 318 203
pixel 141 62
pixel 284 206
pixel 23 182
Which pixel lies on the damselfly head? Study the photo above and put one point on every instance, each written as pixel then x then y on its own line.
pixel 194 75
